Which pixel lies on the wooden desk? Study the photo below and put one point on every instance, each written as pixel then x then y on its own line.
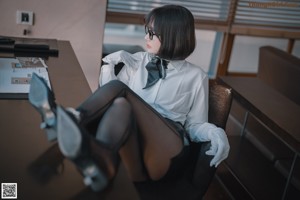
pixel 273 109
pixel 35 164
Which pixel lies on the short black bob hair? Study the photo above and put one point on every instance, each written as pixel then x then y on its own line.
pixel 174 25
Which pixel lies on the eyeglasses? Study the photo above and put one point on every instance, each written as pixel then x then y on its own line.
pixel 150 32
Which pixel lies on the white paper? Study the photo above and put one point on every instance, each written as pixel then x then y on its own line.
pixel 16 73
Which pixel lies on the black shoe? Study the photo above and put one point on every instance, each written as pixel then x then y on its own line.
pixel 42 99
pixel 75 145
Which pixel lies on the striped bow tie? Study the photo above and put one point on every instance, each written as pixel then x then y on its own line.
pixel 156 70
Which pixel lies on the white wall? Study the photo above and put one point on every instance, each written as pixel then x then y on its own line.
pixel 245 52
pixel 79 21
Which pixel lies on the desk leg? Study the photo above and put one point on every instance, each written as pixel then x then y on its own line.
pixel 243 132
pixel 289 177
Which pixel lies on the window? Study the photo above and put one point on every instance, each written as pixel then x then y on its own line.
pixel 246 17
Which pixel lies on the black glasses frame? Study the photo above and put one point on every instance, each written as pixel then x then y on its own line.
pixel 151 33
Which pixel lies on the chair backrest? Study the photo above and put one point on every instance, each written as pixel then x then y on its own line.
pixel 220 98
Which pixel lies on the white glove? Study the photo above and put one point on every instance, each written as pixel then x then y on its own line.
pixel 107 72
pixel 120 56
pixel 219 146
pixel 219 142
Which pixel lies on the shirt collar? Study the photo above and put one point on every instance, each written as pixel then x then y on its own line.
pixel 176 64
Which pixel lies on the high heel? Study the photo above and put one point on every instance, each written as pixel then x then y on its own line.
pixel 42 99
pixel 76 145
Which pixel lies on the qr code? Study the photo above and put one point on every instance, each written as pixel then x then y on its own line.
pixel 9 190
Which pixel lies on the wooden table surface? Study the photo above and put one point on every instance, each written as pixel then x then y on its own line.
pixel 35 164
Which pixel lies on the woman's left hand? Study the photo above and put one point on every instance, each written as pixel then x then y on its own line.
pixel 219 146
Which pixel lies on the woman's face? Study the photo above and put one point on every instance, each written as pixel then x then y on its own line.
pixel 152 41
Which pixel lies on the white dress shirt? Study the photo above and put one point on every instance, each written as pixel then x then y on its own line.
pixel 182 96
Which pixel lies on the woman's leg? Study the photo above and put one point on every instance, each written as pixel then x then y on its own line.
pixel 158 141
pixel 97 158
pixel 117 130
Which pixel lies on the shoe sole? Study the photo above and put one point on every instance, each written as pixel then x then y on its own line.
pixel 68 135
pixel 38 97
pixel 69 140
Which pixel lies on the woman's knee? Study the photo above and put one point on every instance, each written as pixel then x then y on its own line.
pixel 121 101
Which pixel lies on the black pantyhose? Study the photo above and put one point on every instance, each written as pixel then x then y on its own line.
pixel 146 142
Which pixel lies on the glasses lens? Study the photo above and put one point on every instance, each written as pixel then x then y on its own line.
pixel 147 30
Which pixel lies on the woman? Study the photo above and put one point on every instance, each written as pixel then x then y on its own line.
pixel 147 116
